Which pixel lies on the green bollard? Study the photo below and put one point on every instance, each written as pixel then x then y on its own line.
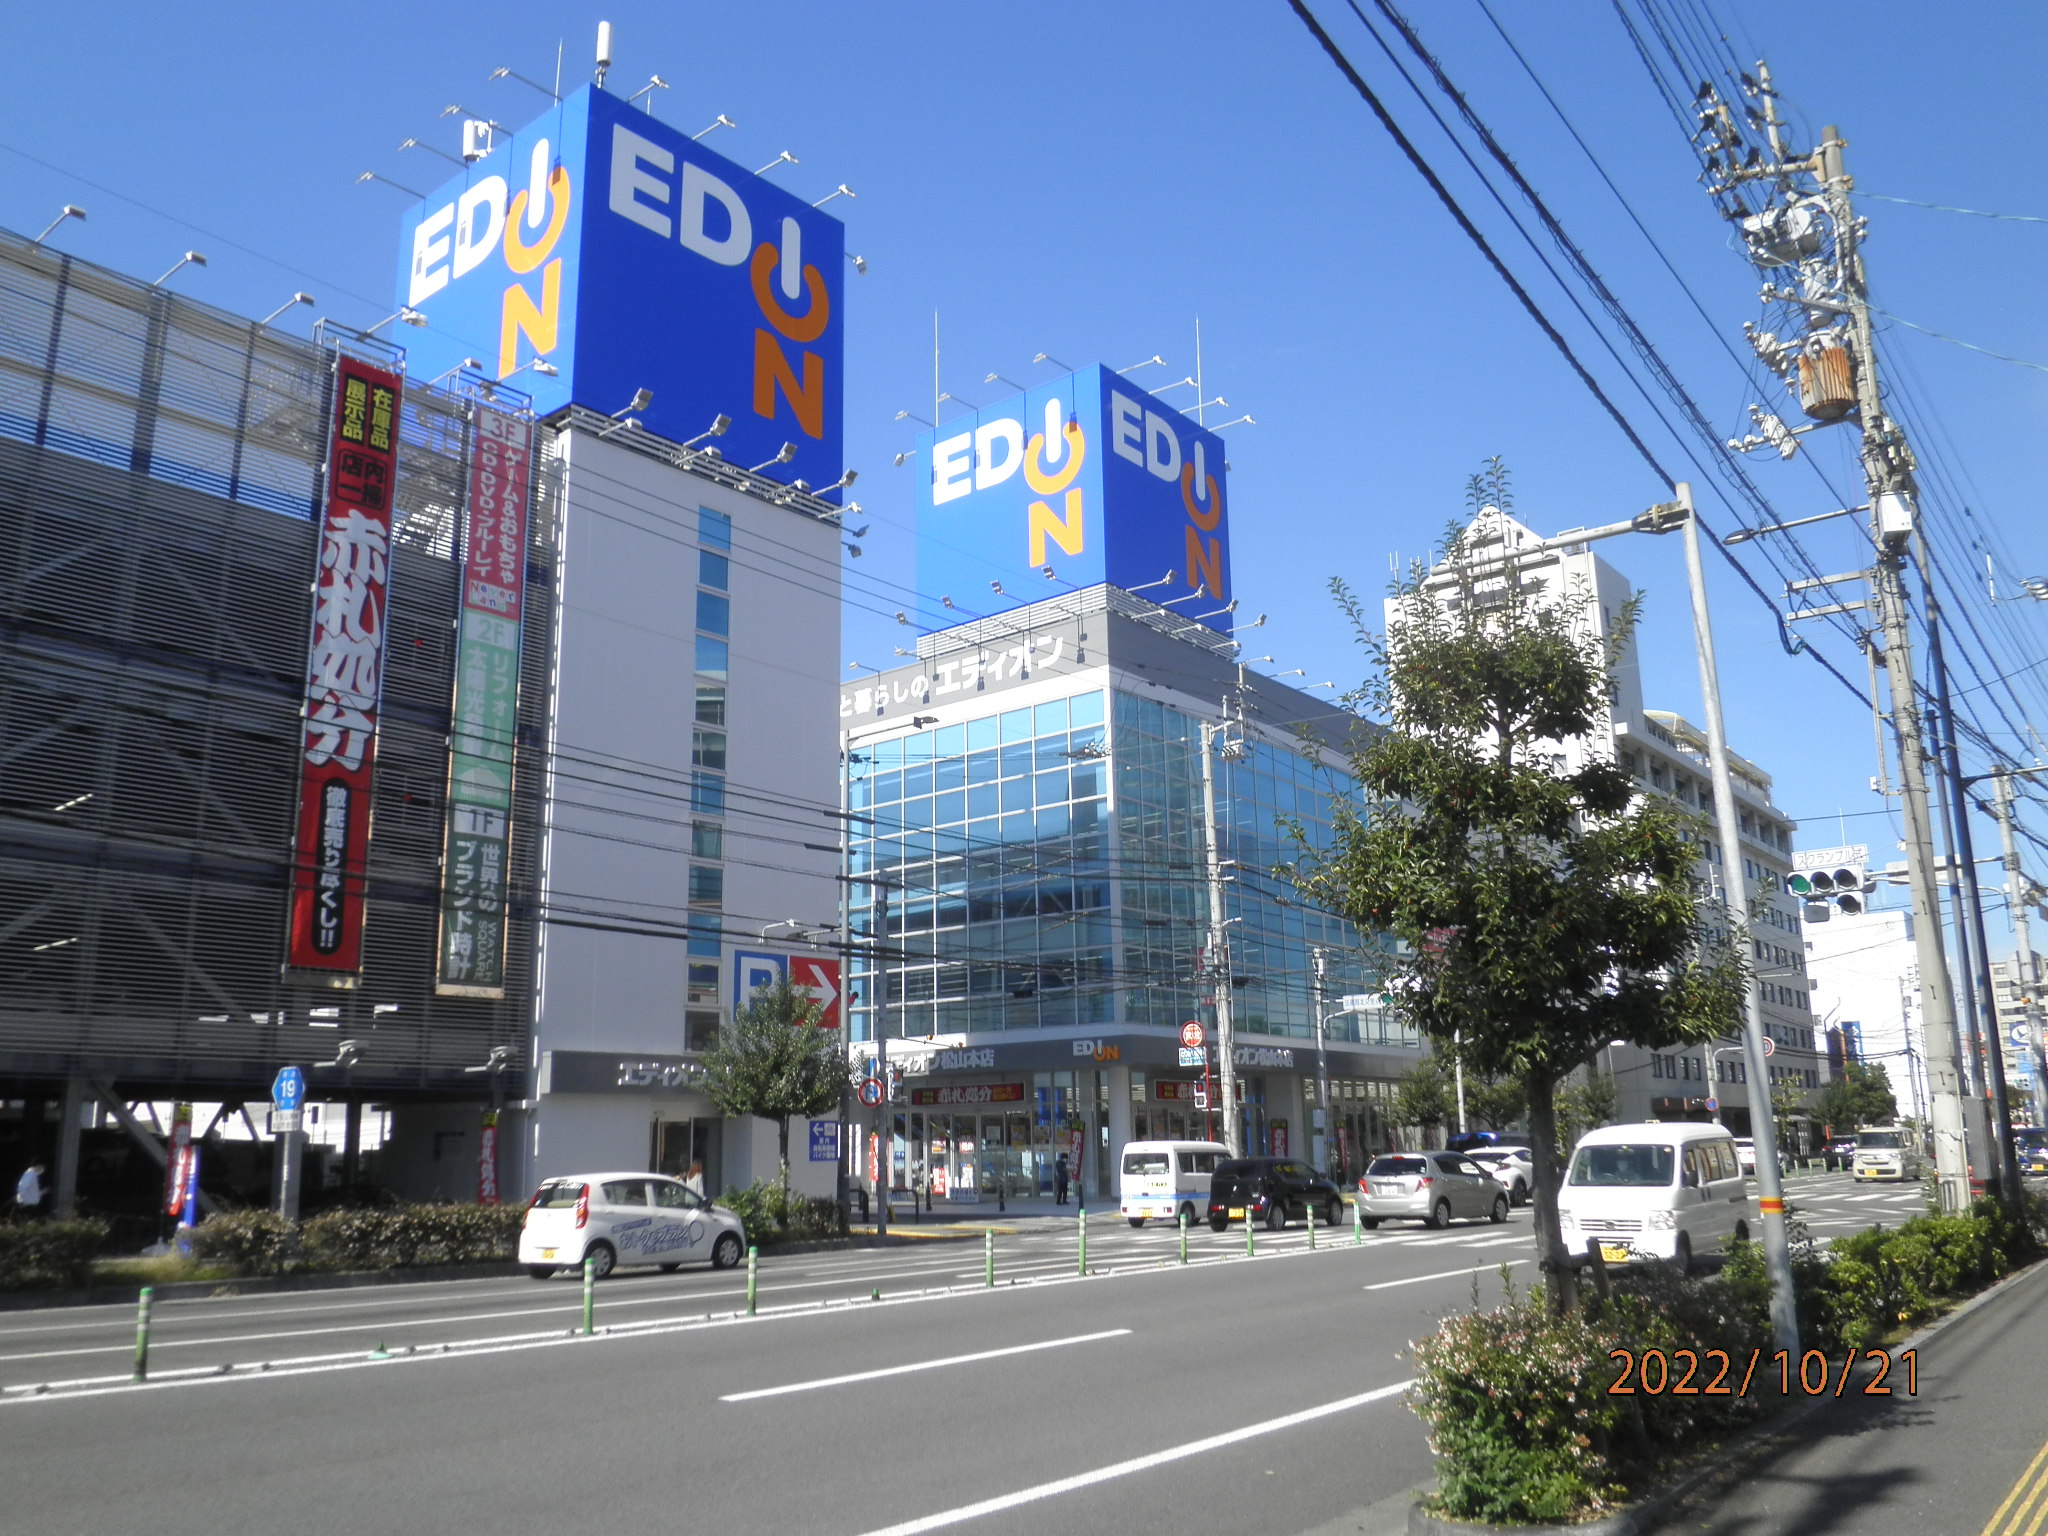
pixel 1081 1226
pixel 1357 1224
pixel 1251 1241
pixel 1311 1227
pixel 1183 1237
pixel 142 1332
pixel 988 1253
pixel 753 1277
pixel 589 1295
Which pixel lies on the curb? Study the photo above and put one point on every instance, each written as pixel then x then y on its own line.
pixel 255 1285
pixel 1648 1514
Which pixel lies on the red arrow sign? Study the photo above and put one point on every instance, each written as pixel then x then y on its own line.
pixel 820 978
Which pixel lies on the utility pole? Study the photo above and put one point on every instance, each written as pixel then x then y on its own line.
pixel 1804 242
pixel 1218 959
pixel 2016 904
pixel 1325 1122
pixel 885 1112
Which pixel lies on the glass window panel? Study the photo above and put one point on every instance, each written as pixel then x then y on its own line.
pixel 1085 709
pixel 1016 794
pixel 949 807
pixel 714 614
pixel 982 767
pixel 886 754
pixel 1016 758
pixel 950 740
pixel 1050 752
pixel 1053 821
pixel 981 733
pixel 714 529
pixel 888 786
pixel 713 570
pixel 1050 717
pixel 707 840
pixel 1015 725
pixel 1017 827
pixel 1052 787
pixel 707 883
pixel 1087 780
pixel 704 938
pixel 949 773
pixel 1088 815
pixel 710 703
pixel 917 778
pixel 707 750
pixel 713 656
pixel 917 748
pixel 707 793
pixel 983 800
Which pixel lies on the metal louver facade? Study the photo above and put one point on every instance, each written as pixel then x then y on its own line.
pixel 160 482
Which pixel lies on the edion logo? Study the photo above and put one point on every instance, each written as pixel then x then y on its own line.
pixel 456 238
pixel 646 190
pixel 1151 440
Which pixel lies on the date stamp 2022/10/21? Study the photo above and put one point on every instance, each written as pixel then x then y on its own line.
pixel 1706 1373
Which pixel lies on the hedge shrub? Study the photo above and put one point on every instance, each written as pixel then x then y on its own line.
pixel 403 1236
pixel 40 1255
pixel 248 1242
pixel 772 1217
pixel 1516 1400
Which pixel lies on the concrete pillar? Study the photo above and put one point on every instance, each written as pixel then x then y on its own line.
pixel 71 1114
pixel 1119 1127
pixel 351 1143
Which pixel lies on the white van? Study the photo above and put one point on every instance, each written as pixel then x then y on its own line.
pixel 1888 1152
pixel 1660 1190
pixel 1167 1179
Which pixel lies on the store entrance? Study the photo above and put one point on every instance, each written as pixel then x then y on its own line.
pixel 680 1145
pixel 971 1157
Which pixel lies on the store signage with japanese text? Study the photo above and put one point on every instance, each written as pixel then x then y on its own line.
pixel 478 835
pixel 1174 1090
pixel 344 674
pixel 970 1093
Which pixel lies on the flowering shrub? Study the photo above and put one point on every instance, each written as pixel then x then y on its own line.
pixel 36 1255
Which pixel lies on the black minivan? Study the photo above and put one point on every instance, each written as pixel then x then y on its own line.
pixel 1275 1190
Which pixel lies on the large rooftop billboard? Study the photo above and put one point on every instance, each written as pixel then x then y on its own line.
pixel 630 258
pixel 1088 476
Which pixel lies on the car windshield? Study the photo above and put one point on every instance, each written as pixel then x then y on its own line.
pixel 1643 1165
pixel 562 1192
pixel 1393 1167
pixel 2031 1138
pixel 1881 1141
pixel 1140 1162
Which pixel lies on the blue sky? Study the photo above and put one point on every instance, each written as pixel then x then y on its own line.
pixel 1087 179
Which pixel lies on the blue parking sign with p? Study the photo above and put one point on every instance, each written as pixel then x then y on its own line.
pixel 751 973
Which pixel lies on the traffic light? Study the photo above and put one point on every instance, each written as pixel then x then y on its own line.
pixel 1826 891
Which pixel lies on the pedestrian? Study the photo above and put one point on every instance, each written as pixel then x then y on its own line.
pixel 1060 1179
pixel 694 1180
pixel 28 1193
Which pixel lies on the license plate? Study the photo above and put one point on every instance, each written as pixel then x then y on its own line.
pixel 547 1253
pixel 1613 1253
pixel 1237 1213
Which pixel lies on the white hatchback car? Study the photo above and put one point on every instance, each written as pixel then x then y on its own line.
pixel 625 1218
pixel 1513 1166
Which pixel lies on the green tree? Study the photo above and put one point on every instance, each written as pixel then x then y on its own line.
pixel 1423 1098
pixel 1584 1104
pixel 1543 910
pixel 1863 1096
pixel 773 1062
pixel 1494 1102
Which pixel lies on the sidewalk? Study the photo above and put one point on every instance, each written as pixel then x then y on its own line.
pixel 1939 1462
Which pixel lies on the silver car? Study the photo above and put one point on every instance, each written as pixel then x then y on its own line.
pixel 1431 1187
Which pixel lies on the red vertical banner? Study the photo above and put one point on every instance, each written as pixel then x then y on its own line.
pixel 487 1161
pixel 344 673
pixel 178 1159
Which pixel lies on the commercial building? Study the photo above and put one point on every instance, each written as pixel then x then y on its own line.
pixel 1668 756
pixel 1866 977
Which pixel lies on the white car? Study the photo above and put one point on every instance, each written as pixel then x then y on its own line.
pixel 1513 1166
pixel 1745 1150
pixel 625 1218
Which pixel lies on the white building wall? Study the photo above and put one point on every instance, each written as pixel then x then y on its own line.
pixel 1866 971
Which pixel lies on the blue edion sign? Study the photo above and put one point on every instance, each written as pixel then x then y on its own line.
pixel 631 258
pixel 1088 475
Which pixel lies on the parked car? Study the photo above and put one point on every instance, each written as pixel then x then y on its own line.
pixel 1430 1187
pixel 625 1218
pixel 1275 1190
pixel 2030 1143
pixel 1470 1141
pixel 1745 1151
pixel 1659 1191
pixel 1515 1167
pixel 1839 1154
pixel 1167 1179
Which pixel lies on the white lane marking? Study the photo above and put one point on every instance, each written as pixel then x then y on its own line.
pixel 966 1512
pixel 1445 1274
pixel 1496 1242
pixel 921 1365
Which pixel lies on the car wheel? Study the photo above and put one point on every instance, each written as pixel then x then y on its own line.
pixel 1520 1194
pixel 1683 1257
pixel 1276 1216
pixel 1333 1212
pixel 541 1271
pixel 1370 1223
pixel 1219 1222
pixel 1187 1213
pixel 1440 1216
pixel 725 1253
pixel 1499 1213
pixel 1137 1221
pixel 601 1259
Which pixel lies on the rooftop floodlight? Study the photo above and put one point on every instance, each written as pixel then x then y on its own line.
pixel 860 263
pixel 1242 421
pixel 642 398
pixel 902 652
pixel 1188 382
pixel 842 190
pixel 346 1054
pixel 503 73
pixel 997 378
pixel 654 83
pixel 405 144
pixel 947 601
pixel 1162 581
pixel 474 363
pixel 1047 357
pixel 719 424
pixel 409 316
pixel 782 456
pixel 853 550
pixel 997 588
pixel 912 416
pixel 499 1059
pixel 496 127
pixel 1257 623
pixel 1048 573
pixel 539 365
pixel 841 484
pixel 297 298
pixel 722 122
pixel 902 617
pixel 949 395
pixel 785 158
pixel 1201 590
pixel 908 453
pixel 1203 405
pixel 71 211
pixel 374 176
pixel 189 259
pixel 1147 362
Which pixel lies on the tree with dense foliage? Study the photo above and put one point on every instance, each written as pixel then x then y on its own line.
pixel 1543 909
pixel 1862 1096
pixel 1422 1099
pixel 1584 1104
pixel 775 1063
